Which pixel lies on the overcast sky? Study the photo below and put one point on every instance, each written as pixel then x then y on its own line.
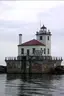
pixel 24 17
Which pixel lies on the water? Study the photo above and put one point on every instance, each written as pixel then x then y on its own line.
pixel 35 85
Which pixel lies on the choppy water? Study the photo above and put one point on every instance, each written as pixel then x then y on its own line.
pixel 35 85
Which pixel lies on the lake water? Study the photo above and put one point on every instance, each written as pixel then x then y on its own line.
pixel 33 85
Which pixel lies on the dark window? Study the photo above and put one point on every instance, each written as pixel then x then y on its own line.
pixel 33 50
pixel 44 51
pixel 48 51
pixel 41 48
pixel 28 51
pixel 48 37
pixel 41 51
pixel 40 37
pixel 22 50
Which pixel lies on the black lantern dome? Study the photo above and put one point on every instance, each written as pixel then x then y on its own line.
pixel 43 27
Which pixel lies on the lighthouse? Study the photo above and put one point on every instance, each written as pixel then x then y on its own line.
pixel 34 56
pixel 44 36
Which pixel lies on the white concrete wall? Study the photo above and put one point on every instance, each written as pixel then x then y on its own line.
pixel 30 48
pixel 46 42
pixel 48 45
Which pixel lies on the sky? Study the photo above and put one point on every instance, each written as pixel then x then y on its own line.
pixel 25 17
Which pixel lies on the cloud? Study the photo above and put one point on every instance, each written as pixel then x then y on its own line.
pixel 24 10
pixel 57 42
pixel 53 18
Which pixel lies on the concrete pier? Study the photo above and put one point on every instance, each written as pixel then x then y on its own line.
pixel 32 64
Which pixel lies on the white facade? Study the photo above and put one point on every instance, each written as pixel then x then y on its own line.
pixel 30 50
pixel 45 39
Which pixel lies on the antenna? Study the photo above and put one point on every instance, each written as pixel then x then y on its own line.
pixel 40 23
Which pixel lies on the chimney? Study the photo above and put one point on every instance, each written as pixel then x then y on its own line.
pixel 20 39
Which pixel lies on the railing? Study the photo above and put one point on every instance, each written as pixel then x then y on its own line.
pixel 39 58
pixel 10 58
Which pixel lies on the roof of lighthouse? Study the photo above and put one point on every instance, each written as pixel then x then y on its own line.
pixel 43 31
pixel 32 43
pixel 43 27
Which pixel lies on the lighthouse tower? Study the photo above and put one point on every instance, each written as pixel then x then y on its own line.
pixel 44 36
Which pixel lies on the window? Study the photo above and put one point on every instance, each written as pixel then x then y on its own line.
pixel 41 51
pixel 48 37
pixel 41 48
pixel 28 51
pixel 33 50
pixel 22 50
pixel 44 51
pixel 48 51
pixel 40 37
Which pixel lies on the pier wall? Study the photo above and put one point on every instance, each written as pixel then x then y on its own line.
pixel 13 66
pixel 32 66
pixel 45 66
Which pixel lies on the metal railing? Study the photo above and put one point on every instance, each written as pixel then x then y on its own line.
pixel 39 58
pixel 10 58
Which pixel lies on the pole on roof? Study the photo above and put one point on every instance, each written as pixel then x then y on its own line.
pixel 40 23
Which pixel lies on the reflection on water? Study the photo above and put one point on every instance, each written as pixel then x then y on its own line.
pixel 32 85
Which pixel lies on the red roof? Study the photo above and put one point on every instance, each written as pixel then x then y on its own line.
pixel 31 43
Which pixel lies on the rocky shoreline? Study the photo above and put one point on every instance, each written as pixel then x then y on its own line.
pixel 57 70
pixel 3 69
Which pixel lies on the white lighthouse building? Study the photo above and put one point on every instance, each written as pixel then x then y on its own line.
pixel 39 46
pixel 34 56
